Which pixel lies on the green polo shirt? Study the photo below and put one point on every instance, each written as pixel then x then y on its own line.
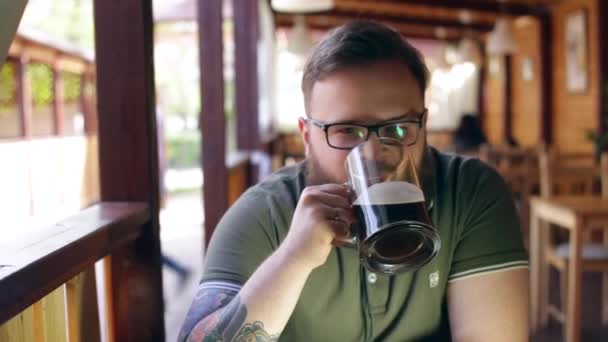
pixel 471 208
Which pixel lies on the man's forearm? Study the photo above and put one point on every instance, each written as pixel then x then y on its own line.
pixel 262 307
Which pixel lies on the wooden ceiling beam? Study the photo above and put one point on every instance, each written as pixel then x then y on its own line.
pixel 512 8
pixel 326 22
pixel 483 27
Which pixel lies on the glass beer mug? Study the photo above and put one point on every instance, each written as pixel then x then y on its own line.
pixel 394 232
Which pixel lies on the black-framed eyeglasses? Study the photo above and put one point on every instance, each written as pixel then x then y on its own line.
pixel 345 136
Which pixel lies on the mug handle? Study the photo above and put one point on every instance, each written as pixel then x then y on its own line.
pixel 350 241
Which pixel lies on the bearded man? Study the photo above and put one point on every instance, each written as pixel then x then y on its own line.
pixel 273 270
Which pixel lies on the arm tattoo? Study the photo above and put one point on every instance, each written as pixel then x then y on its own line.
pixel 255 332
pixel 227 325
pixel 206 301
pixel 217 314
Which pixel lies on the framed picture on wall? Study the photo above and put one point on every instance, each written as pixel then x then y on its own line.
pixel 577 65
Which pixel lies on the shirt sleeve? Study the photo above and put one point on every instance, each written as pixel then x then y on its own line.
pixel 490 236
pixel 241 241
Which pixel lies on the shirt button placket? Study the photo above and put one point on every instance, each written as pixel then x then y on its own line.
pixel 372 278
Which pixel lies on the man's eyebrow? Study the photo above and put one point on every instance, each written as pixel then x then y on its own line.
pixel 411 115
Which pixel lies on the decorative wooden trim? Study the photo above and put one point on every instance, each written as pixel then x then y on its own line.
pixel 215 196
pixel 508 98
pixel 128 160
pixel 546 50
pixel 246 27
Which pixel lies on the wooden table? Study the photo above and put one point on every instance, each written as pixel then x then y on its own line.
pixel 577 214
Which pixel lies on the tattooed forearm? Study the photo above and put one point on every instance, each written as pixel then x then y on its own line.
pixel 255 332
pixel 227 325
pixel 207 301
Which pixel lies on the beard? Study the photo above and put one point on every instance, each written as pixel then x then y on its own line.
pixel 313 171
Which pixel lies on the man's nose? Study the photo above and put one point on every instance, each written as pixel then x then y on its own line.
pixel 372 148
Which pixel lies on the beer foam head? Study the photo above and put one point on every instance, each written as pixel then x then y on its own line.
pixel 390 193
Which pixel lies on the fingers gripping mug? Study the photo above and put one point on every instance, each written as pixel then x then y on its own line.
pixel 394 232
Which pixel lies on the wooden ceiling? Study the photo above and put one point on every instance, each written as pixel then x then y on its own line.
pixel 431 19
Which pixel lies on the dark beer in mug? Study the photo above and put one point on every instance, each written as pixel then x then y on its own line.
pixel 394 230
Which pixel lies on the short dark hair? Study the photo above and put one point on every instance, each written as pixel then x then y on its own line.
pixel 360 43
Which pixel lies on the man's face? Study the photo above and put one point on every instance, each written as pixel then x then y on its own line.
pixel 364 95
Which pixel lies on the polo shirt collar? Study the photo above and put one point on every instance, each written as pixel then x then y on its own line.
pixel 428 177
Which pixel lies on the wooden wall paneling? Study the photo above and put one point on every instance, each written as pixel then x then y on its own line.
pixel 526 89
pixel 574 113
pixel 246 32
pixel 128 160
pixel 493 118
pixel 213 126
pixel 602 20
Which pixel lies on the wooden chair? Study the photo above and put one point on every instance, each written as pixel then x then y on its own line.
pixel 519 169
pixel 288 149
pixel 575 175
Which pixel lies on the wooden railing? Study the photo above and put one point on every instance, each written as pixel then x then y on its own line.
pixel 58 261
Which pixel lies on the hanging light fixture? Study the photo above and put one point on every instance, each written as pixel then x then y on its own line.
pixel 501 41
pixel 469 51
pixel 468 47
pixel 302 6
pixel 300 41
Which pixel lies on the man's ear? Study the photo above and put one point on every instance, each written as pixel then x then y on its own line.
pixel 425 118
pixel 304 132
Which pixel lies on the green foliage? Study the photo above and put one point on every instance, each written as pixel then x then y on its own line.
pixel 71 87
pixel 41 80
pixel 7 87
pixel 184 151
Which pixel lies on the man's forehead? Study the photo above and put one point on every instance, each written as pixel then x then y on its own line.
pixel 374 118
pixel 375 92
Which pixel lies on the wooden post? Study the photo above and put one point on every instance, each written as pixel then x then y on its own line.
pixel 128 161
pixel 546 39
pixel 58 100
pixel 603 66
pixel 85 105
pixel 508 99
pixel 246 29
pixel 24 95
pixel 215 194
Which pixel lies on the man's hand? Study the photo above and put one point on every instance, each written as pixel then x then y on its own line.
pixel 323 215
